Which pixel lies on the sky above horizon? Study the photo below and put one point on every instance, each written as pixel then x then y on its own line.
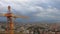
pixel 37 10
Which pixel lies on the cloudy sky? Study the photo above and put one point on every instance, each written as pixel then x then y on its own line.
pixel 37 10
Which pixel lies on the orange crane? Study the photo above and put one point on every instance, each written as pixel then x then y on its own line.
pixel 9 16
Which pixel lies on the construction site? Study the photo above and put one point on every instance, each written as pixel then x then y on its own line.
pixel 39 28
pixel 29 16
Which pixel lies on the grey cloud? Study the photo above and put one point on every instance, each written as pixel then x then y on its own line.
pixel 36 8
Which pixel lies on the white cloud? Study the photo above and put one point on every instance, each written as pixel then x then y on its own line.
pixel 49 12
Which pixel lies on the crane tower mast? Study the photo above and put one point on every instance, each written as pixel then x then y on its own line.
pixel 9 15
pixel 10 21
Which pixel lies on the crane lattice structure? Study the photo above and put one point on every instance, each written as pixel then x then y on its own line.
pixel 9 15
